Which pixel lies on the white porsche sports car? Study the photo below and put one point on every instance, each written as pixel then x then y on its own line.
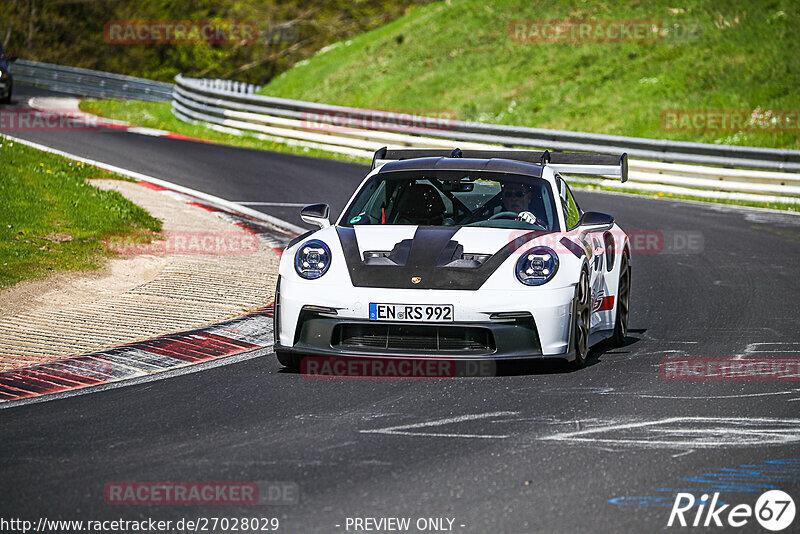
pixel 458 255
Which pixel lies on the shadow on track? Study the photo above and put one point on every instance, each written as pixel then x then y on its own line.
pixel 378 368
pixel 558 366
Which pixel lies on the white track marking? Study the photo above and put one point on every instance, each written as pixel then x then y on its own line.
pixel 148 131
pixel 666 351
pixel 69 106
pixel 755 348
pixel 403 430
pixel 708 432
pixel 211 199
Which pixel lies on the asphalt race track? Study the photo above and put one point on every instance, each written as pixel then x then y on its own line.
pixel 214 169
pixel 538 448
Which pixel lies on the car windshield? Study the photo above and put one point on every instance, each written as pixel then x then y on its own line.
pixel 454 198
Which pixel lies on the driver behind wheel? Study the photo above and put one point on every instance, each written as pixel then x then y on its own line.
pixel 517 198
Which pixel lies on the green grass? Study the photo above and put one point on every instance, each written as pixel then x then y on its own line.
pixel 158 115
pixel 51 219
pixel 458 56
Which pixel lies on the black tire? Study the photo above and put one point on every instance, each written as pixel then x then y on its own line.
pixel 623 303
pixel 581 321
pixel 7 99
pixel 290 361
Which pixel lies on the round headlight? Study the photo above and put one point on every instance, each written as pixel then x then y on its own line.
pixel 313 259
pixel 537 266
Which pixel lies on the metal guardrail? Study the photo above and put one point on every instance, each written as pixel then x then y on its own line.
pixel 517 136
pixel 657 165
pixel 227 85
pixel 320 126
pixel 93 83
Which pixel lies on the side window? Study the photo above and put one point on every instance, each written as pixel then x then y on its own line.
pixel 359 207
pixel 562 193
pixel 571 210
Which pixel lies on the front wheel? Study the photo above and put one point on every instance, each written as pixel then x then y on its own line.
pixel 580 322
pixel 623 303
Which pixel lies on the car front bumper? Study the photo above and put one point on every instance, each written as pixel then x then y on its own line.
pixel 488 324
pixel 329 336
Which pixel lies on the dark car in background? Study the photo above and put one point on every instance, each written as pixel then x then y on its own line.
pixel 6 80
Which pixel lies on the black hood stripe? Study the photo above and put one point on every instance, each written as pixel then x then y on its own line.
pixel 424 261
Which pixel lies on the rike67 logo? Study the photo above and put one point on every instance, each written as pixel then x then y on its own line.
pixel 774 510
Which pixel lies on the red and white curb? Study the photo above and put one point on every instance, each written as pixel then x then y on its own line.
pixel 161 354
pixel 152 132
pixel 270 236
pixel 167 355
pixel 141 358
pixel 69 106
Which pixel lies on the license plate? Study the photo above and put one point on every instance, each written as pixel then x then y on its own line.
pixel 424 313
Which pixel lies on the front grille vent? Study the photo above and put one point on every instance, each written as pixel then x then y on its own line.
pixel 413 338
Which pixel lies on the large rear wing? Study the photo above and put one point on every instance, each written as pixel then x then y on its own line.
pixel 566 162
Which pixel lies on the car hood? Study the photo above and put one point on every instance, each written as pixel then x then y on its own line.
pixel 427 257
pixel 475 240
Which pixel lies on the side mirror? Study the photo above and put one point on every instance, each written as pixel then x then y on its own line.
pixel 316 214
pixel 11 58
pixel 595 221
